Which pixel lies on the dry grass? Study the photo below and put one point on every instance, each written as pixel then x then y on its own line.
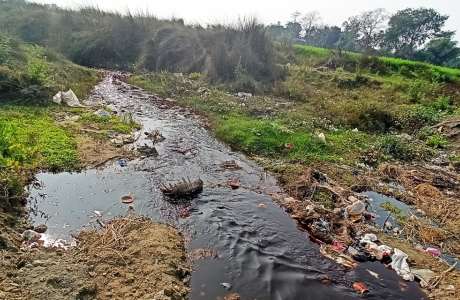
pixel 112 236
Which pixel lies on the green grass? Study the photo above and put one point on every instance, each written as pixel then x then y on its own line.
pixel 124 124
pixel 248 127
pixel 30 139
pixel 390 66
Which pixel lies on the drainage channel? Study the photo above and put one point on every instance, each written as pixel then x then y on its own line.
pixel 260 251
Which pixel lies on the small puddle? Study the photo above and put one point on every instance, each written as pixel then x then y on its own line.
pixel 375 200
pixel 261 253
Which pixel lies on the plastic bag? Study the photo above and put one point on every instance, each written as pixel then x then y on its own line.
pixel 358 252
pixel 400 265
pixel 68 98
pixel 356 208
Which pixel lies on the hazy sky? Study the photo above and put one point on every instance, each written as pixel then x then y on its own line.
pixel 334 12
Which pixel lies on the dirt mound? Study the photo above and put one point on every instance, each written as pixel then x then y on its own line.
pixel 129 258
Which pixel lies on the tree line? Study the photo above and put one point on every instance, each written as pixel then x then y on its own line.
pixel 415 34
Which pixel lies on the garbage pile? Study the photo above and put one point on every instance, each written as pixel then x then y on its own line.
pixel 341 228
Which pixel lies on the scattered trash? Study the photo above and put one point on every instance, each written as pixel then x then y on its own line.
pixel 183 188
pixel 352 199
pixel 185 214
pixel 340 258
pixel 148 151
pixel 322 137
pixel 424 275
pixel 112 133
pixel 155 136
pixel 122 163
pixel 326 281
pixel 245 99
pixel 233 296
pixel 261 204
pixel 433 251
pixel 289 145
pixel 127 199
pixel 358 252
pixel 230 153
pixel 202 90
pixel 246 95
pixel 338 246
pixel 103 113
pixel 356 218
pixel 230 165
pixel 319 176
pixel 388 225
pixel 359 287
pixel 449 287
pixel 356 208
pixel 373 273
pixel 68 98
pixel 226 285
pixel 97 213
pixel 282 105
pixel 234 185
pixel 369 237
pixel 400 265
pixel 355 130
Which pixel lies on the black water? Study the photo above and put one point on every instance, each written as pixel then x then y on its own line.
pixel 261 253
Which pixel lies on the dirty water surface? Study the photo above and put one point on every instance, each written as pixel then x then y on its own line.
pixel 258 249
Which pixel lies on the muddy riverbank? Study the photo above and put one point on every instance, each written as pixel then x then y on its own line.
pixel 237 238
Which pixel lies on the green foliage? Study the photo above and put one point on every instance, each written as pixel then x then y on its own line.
pixel 402 149
pixel 194 76
pixel 411 28
pixel 325 199
pixel 396 211
pixel 437 141
pixel 37 66
pixel 29 139
pixel 123 125
pixel 5 49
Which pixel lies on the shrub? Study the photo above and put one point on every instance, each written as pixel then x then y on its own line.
pixel 5 49
pixel 437 141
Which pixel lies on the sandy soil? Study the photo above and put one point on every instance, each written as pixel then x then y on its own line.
pixel 129 258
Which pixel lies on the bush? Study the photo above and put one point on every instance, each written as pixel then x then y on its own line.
pixel 437 141
pixel 5 49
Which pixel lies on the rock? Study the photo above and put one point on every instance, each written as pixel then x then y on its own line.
pixel 168 291
pixel 42 228
pixel 40 263
pixel 3 243
pixel 87 292
pixel 112 108
pixel 103 113
pixel 30 235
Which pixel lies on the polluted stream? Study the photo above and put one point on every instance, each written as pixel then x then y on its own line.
pixel 257 249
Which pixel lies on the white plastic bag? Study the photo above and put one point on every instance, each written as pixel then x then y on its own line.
pixel 68 98
pixel 400 265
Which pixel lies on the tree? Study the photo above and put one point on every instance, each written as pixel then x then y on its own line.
pixel 410 29
pixel 367 28
pixel 441 50
pixel 309 22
